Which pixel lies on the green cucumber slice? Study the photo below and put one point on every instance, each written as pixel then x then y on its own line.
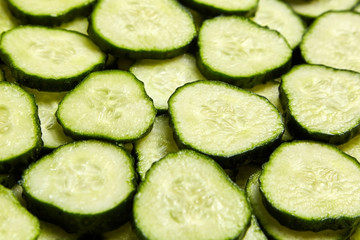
pixel 342 51
pixel 311 186
pixel 224 121
pixel 193 197
pixel 110 105
pixel 237 50
pixel 49 59
pixel 20 140
pixel 83 187
pixel 155 145
pixel 273 229
pixel 162 77
pixel 352 147
pixel 142 28
pixel 50 231
pixel 7 20
pixel 279 16
pixel 43 12
pixel 216 7
pixel 321 103
pixel 16 222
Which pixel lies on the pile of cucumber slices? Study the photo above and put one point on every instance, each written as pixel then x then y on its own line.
pixel 179 119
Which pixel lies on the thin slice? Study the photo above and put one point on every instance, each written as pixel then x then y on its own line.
pixel 84 187
pixel 273 229
pixel 193 197
pixel 16 222
pixel 110 105
pixel 49 59
pixel 241 52
pixel 321 103
pixel 311 186
pixel 343 50
pixel 224 121
pixel 142 28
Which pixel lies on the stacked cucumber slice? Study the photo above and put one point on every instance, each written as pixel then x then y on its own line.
pixel 179 119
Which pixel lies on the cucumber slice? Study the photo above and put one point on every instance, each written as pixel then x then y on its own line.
pixel 7 20
pixel 279 16
pixel 43 12
pixel 311 186
pixel 16 222
pixel 79 24
pixel 224 121
pixel 273 229
pixel 142 28
pixel 236 50
pixel 343 50
pixel 216 7
pixel 110 105
pixel 49 59
pixel 155 145
pixel 312 9
pixel 53 135
pixel 162 77
pixel 20 140
pixel 193 197
pixel 321 102
pixel 84 186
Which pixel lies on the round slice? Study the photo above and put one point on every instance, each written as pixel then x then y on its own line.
pixel 193 197
pixel 321 103
pixel 84 186
pixel 7 20
pixel 216 7
pixel 110 105
pixel 16 222
pixel 224 121
pixel 241 52
pixel 273 229
pixel 20 134
pixel 49 59
pixel 44 12
pixel 142 28
pixel 311 186
pixel 332 40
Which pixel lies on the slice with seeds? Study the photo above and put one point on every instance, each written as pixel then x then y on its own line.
pixel 110 105
pixel 241 52
pixel 84 186
pixel 49 59
pixel 20 134
pixel 321 103
pixel 343 51
pixel 193 197
pixel 224 121
pixel 311 186
pixel 142 28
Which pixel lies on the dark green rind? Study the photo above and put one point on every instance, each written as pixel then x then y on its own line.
pixel 142 184
pixel 301 132
pixel 257 154
pixel 210 10
pixel 21 161
pixel 84 136
pixel 244 81
pixel 50 20
pixel 48 84
pixel 108 46
pixel 81 223
pixel 291 221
